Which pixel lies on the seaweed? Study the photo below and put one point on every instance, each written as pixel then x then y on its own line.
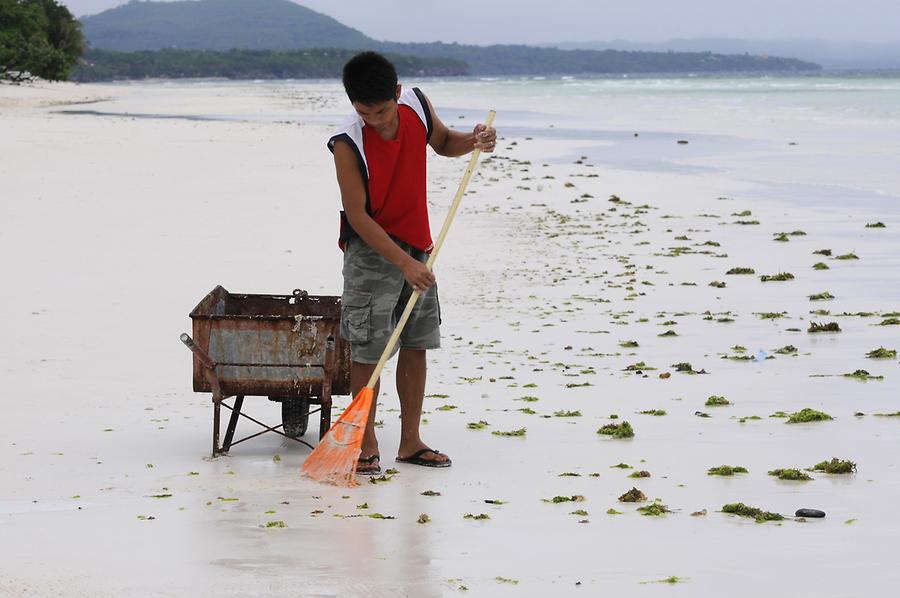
pixel 862 375
pixel 380 516
pixel 656 412
pixel 494 501
pixel 638 367
pixel 445 408
pixel 612 511
pixel 882 353
pixel 742 214
pixel 743 510
pixel 477 425
pixel 701 414
pixel 620 466
pixel 875 225
pixel 823 296
pixel 430 493
pixel 527 399
pixel 527 410
pixel 279 523
pixel 654 510
pixel 786 350
pixel 519 432
pixel 780 277
pixel 633 495
pixel 717 401
pixel 895 414
pixel 479 517
pixel 771 315
pixel 423 518
pixel 668 333
pixel 717 284
pixel 579 512
pixel 829 327
pixel 889 322
pixel 623 430
pixel 825 252
pixel 820 266
pixel 746 222
pixel 808 415
pixel 780 414
pixel 726 470
pixel 782 237
pixel 380 479
pixel 835 466
pixel 700 513
pixel 847 256
pixel 499 579
pixel 567 413
pixel 629 344
pixel 741 271
pixel 639 474
pixel 790 474
pixel 683 366
pixel 560 499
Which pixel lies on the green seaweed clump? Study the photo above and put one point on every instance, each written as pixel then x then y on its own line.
pixel 824 296
pixel 633 495
pixel 790 474
pixel 654 510
pixel 787 350
pixel 559 499
pixel 656 412
pixel 668 333
pixel 862 375
pixel 808 415
pixel 629 344
pixel 882 353
pixel 717 401
pixel 825 252
pixel 875 225
pixel 780 277
pixel 567 413
pixel 829 327
pixel 743 510
pixel 847 256
pixel 639 474
pixel 836 466
pixel 820 266
pixel 741 271
pixel 726 470
pixel 477 425
pixel 519 432
pixel 623 430
pixel 479 517
pixel 889 322
pixel 278 523
pixel 717 284
pixel 423 518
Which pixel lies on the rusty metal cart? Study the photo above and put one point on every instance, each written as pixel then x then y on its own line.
pixel 284 347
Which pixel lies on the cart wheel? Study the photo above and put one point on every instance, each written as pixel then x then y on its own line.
pixel 295 416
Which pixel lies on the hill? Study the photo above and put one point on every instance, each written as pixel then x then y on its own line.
pixel 218 25
pixel 221 25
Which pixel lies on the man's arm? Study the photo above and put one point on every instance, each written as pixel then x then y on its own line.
pixel 456 143
pixel 353 197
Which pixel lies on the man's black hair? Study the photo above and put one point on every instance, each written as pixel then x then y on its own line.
pixel 370 78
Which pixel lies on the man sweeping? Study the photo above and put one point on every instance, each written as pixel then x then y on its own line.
pixel 379 158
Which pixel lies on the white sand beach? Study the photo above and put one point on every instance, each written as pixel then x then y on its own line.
pixel 123 205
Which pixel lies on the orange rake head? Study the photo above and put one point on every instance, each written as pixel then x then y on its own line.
pixel 334 460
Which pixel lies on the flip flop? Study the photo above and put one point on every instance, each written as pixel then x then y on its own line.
pixel 416 459
pixel 368 461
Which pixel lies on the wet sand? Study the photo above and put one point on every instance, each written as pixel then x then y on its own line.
pixel 118 225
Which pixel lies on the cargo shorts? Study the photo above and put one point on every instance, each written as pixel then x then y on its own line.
pixel 375 295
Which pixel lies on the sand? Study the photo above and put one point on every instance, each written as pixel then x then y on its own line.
pixel 123 212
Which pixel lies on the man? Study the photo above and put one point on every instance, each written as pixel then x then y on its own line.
pixel 379 156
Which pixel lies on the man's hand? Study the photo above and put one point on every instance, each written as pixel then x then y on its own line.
pixel 417 274
pixel 485 138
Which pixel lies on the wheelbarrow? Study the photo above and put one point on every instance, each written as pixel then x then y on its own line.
pixel 284 347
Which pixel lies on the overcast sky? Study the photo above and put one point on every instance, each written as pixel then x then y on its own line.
pixel 537 21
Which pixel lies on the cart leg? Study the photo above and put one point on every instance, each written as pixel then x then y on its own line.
pixel 217 408
pixel 232 423
pixel 325 414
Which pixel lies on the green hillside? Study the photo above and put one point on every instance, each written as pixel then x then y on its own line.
pixel 217 25
pixel 280 25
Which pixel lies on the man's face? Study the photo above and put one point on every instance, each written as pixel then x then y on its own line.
pixel 380 115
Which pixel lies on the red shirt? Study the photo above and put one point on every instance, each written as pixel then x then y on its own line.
pixel 397 180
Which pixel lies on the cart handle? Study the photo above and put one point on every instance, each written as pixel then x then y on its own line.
pixel 200 353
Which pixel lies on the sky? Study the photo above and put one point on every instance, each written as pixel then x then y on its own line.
pixel 533 21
